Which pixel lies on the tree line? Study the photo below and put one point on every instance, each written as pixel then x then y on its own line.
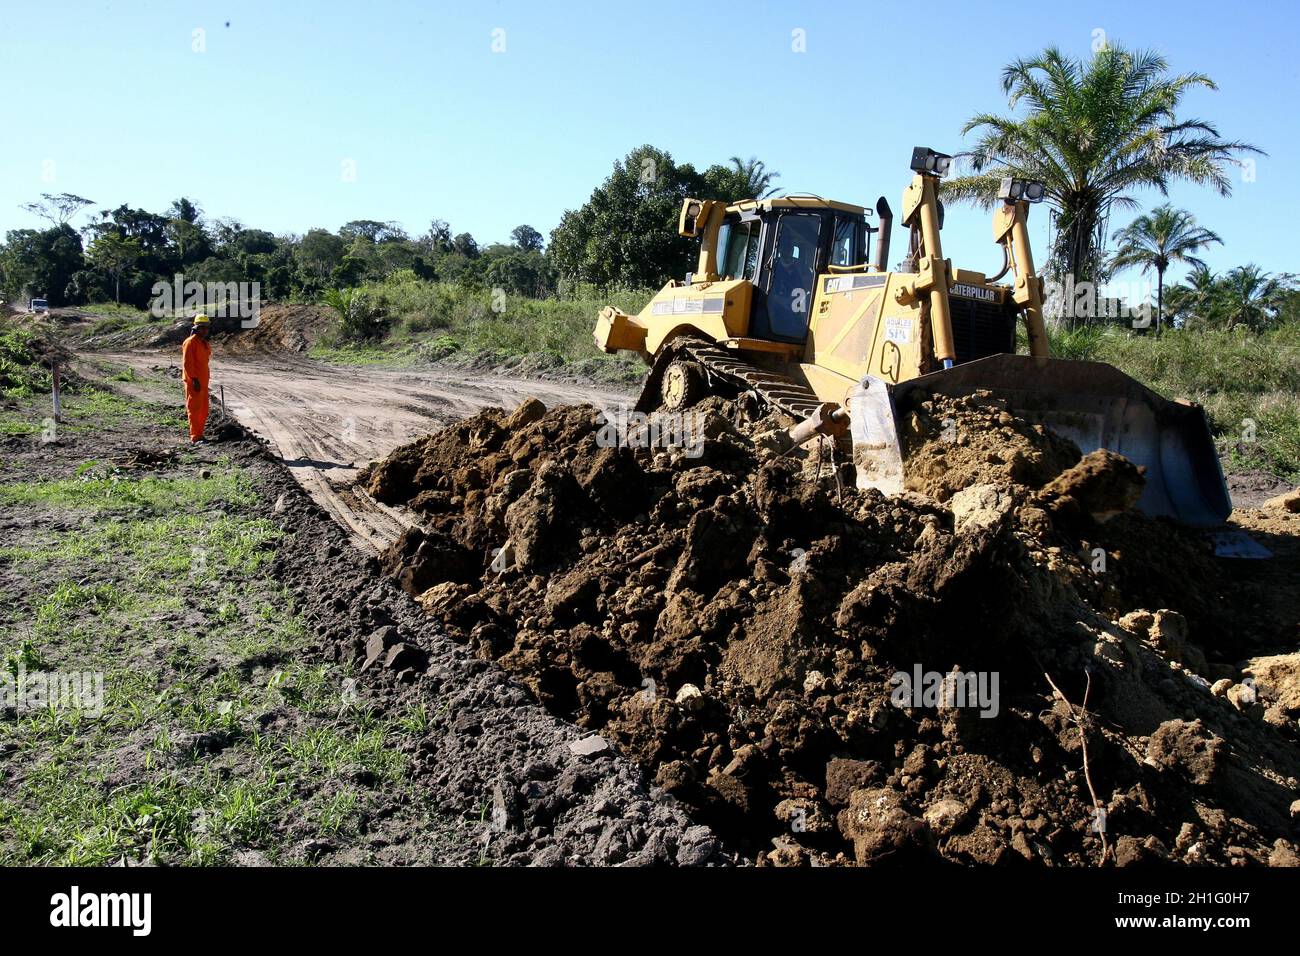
pixel 623 236
pixel 122 252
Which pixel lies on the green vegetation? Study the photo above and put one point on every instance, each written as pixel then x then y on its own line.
pixel 160 590
pixel 624 236
pixel 86 405
pixel 1248 383
pixel 1154 241
pixel 426 321
pixel 95 407
pixel 1245 298
pixel 118 321
pixel 21 372
pixel 117 309
pixel 93 492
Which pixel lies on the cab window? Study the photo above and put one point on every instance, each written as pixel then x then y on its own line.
pixel 784 313
pixel 848 247
pixel 738 248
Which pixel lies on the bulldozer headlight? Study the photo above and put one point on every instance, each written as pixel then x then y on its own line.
pixel 928 162
pixel 1012 190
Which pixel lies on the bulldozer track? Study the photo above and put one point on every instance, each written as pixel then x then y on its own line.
pixel 797 401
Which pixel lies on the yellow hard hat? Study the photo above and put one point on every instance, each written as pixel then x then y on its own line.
pixel 200 319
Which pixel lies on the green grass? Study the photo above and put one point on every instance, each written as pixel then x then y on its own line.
pixel 93 493
pixel 91 407
pixel 108 407
pixel 117 597
pixel 221 730
pixel 387 354
pixel 117 318
pixel 192 820
pixel 13 423
pixel 1248 383
pixel 118 310
pixel 428 321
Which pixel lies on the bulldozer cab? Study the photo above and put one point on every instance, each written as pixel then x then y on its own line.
pixel 781 248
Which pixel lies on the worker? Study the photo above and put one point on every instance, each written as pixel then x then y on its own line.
pixel 195 353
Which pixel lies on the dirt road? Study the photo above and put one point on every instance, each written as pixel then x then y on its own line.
pixel 326 422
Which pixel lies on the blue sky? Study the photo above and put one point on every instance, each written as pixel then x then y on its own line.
pixel 113 103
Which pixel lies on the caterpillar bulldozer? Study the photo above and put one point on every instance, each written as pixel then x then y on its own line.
pixel 790 305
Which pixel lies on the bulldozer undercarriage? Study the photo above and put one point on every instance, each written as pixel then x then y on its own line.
pixel 722 372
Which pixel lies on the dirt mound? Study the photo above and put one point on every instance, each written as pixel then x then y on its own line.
pixel 951 444
pixel 280 328
pixel 830 675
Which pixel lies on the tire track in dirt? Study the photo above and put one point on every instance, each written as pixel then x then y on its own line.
pixel 326 422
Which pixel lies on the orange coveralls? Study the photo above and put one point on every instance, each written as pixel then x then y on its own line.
pixel 195 353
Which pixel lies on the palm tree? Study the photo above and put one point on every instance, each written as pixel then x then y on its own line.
pixel 1095 132
pixel 1195 299
pixel 1251 297
pixel 1156 240
pixel 753 173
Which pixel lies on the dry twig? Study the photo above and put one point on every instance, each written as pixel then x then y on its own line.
pixel 1079 717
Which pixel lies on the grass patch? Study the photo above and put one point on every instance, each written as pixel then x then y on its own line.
pixel 389 354
pixel 21 373
pixel 194 645
pixel 429 321
pixel 14 423
pixel 220 730
pixel 92 493
pixel 107 408
pixel 188 820
pixel 119 310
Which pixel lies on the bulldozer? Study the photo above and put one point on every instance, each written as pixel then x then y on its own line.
pixel 791 306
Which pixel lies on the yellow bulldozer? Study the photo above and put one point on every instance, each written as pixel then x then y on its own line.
pixel 790 305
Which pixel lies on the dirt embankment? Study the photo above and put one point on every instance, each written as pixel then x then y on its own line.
pixel 830 675
pixel 279 328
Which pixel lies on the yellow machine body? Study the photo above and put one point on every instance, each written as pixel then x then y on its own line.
pixel 846 329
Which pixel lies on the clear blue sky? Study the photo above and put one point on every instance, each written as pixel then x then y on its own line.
pixel 438 125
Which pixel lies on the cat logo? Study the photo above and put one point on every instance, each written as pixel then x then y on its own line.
pixel 974 292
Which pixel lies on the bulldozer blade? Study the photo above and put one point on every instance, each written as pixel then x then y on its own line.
pixel 1093 404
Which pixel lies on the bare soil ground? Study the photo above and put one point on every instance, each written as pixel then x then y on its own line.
pixel 325 422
